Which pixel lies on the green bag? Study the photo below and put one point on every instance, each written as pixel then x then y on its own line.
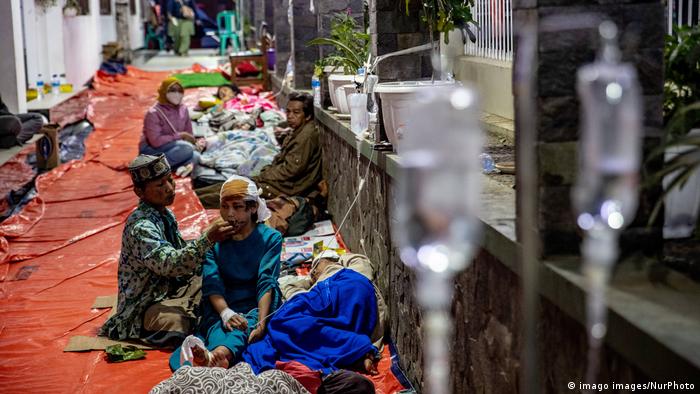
pixel 118 354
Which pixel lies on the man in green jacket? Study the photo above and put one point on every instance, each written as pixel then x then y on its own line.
pixel 159 273
pixel 296 170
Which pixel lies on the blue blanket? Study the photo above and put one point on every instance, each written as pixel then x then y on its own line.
pixel 326 329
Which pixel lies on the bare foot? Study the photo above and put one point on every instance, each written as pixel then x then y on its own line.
pixel 199 357
pixel 221 357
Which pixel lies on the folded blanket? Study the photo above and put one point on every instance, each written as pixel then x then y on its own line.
pixel 242 152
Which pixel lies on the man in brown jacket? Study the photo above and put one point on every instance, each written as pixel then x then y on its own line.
pixel 296 170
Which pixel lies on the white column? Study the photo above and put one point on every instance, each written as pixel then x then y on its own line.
pixel 136 33
pixel 108 27
pixel 53 41
pixel 81 45
pixel 29 20
pixel 13 82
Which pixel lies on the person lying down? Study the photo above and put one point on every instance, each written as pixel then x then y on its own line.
pixel 328 327
pixel 326 265
pixel 327 324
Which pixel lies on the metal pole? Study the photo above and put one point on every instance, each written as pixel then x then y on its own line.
pixel 524 69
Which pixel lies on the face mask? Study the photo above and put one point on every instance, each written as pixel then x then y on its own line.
pixel 175 98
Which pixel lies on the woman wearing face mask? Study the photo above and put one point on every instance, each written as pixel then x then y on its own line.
pixel 239 279
pixel 167 128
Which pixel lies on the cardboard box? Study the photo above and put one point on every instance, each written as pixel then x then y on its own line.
pixel 47 148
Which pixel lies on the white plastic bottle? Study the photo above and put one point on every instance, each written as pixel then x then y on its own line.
pixel 289 74
pixel 55 84
pixel 40 86
pixel 316 88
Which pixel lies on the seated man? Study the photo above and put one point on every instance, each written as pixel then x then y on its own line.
pixel 296 170
pixel 17 129
pixel 159 273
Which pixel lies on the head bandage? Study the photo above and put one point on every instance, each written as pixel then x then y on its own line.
pixel 239 186
pixel 330 254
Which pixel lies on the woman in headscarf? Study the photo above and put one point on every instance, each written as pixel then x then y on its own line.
pixel 167 128
pixel 239 279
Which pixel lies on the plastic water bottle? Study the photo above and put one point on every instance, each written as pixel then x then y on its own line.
pixel 289 74
pixel 55 84
pixel 316 88
pixel 63 79
pixel 487 164
pixel 40 86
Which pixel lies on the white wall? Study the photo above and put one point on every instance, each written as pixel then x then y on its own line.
pixel 43 34
pixel 72 45
pixel 108 27
pixel 136 33
pixel 12 86
pixel 81 45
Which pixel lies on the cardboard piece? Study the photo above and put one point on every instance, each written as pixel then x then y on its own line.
pixel 82 343
pixel 102 302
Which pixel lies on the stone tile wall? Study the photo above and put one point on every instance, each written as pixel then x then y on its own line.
pixel 560 54
pixel 487 310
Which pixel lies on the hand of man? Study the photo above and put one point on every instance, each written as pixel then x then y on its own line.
pixel 218 231
pixel 188 137
pixel 370 366
pixel 233 320
pixel 281 133
pixel 256 334
pixel 237 322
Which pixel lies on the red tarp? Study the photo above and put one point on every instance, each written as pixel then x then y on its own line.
pixel 62 251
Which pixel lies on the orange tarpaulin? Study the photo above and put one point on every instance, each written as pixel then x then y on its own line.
pixel 61 252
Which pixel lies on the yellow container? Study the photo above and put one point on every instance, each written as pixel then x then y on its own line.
pixel 208 103
pixel 66 88
pixel 32 94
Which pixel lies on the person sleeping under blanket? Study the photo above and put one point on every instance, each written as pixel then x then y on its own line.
pixel 328 264
pixel 328 325
pixel 327 328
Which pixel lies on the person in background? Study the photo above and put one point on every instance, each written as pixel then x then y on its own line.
pixel 181 17
pixel 227 92
pixel 167 129
pixel 296 169
pixel 17 129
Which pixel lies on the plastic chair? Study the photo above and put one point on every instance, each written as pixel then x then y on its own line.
pixel 226 22
pixel 152 35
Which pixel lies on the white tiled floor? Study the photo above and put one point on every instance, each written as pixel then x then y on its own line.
pixel 163 61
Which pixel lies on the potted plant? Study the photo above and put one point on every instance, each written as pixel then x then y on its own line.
pixel 351 50
pixel 681 170
pixel 444 16
pixel 440 16
pixel 71 8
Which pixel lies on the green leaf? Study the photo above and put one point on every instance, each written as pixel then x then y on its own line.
pixel 347 51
